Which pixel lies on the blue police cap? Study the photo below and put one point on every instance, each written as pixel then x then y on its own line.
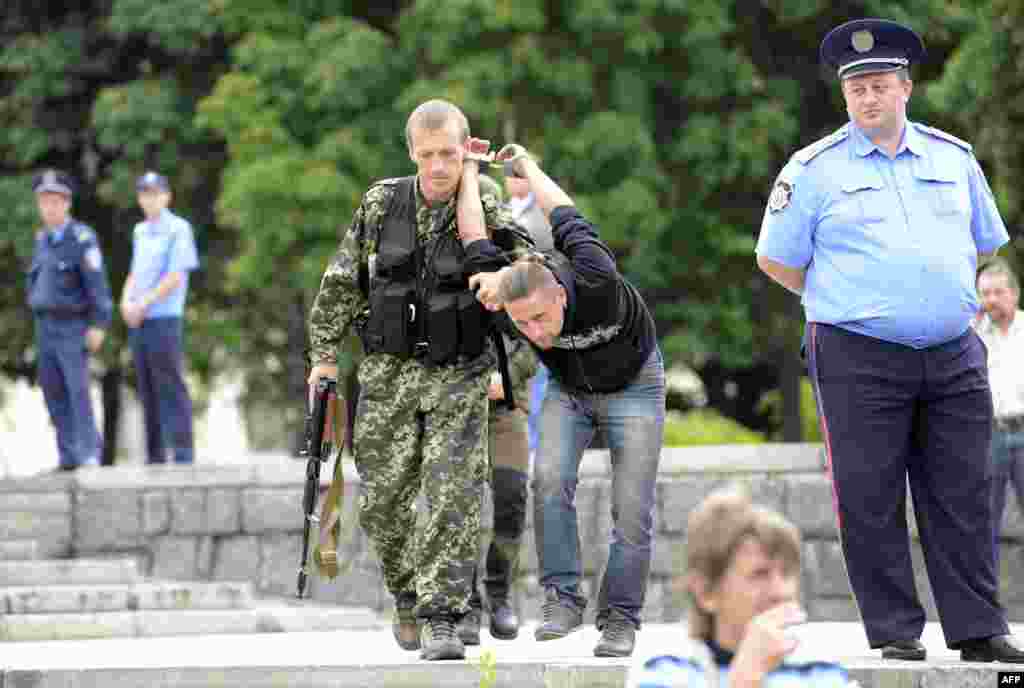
pixel 53 181
pixel 152 180
pixel 866 46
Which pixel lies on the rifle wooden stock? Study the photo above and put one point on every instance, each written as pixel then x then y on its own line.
pixel 319 443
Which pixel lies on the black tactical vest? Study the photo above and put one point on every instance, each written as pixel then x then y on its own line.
pixel 420 302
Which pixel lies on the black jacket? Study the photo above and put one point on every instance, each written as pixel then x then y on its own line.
pixel 608 332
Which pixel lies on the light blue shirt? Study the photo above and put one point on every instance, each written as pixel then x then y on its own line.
pixel 889 244
pixel 160 247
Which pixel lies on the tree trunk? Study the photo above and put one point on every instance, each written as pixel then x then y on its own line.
pixel 110 384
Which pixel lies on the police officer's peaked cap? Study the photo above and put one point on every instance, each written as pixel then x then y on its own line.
pixel 152 180
pixel 53 181
pixel 866 46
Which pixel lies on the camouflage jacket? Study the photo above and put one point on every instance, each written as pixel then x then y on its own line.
pixel 341 304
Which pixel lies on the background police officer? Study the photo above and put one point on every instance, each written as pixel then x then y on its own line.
pixel 880 227
pixel 70 299
pixel 153 305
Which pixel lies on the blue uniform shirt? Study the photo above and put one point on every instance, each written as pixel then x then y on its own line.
pixel 889 244
pixel 160 247
pixel 67 278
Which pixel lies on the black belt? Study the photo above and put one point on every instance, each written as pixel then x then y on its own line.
pixel 1010 424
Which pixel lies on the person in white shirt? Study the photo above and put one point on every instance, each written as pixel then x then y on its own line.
pixel 1002 329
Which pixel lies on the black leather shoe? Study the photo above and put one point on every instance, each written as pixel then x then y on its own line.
pixel 618 637
pixel 559 617
pixel 998 648
pixel 504 622
pixel 909 650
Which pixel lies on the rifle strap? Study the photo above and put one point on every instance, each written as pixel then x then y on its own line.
pixel 325 554
pixel 506 375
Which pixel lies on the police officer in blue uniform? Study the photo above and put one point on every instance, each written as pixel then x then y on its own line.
pixel 153 306
pixel 70 299
pixel 880 226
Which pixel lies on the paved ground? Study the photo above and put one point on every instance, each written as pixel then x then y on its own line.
pixel 841 642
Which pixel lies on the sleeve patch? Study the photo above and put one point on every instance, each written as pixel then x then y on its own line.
pixel 93 259
pixel 781 194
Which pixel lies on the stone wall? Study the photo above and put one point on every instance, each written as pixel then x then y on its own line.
pixel 244 523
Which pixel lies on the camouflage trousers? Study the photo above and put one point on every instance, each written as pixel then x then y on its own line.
pixel 423 429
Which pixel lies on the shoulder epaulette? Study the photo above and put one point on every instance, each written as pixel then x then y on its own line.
pixel 83 234
pixel 805 155
pixel 939 134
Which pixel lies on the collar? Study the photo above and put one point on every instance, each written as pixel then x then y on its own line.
pixel 911 141
pixel 159 222
pixel 56 235
pixel 988 327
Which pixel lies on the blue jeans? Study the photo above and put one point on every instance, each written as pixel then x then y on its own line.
pixel 633 420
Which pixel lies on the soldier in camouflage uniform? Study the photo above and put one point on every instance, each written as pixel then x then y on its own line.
pixel 508 447
pixel 421 418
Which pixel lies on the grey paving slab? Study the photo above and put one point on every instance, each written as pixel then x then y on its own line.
pixel 69 572
pixel 57 599
pixel 370 658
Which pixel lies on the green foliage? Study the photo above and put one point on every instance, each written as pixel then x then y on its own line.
pixel 706 426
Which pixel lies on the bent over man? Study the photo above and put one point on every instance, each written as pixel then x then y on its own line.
pixel 592 330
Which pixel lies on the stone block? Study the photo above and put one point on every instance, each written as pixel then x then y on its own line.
pixel 163 623
pixel 156 513
pixel 279 564
pixel 678 497
pixel 810 505
pixel 668 557
pixel 174 557
pixel 192 595
pixel 19 549
pixel 237 558
pixel 832 609
pixel 45 527
pixel 188 511
pixel 36 502
pixel 223 511
pixel 108 519
pixel 40 627
pixel 69 572
pixel 353 587
pixel 204 556
pixel 824 569
pixel 266 510
pixel 63 599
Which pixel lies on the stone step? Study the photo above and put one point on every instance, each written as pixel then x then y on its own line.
pixel 36 502
pixel 69 572
pixel 371 658
pixel 147 623
pixel 80 599
pixel 19 550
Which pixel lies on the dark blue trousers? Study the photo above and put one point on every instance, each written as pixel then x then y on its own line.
pixel 63 370
pixel 166 406
pixel 888 413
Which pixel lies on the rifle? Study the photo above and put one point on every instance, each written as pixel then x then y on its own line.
pixel 319 445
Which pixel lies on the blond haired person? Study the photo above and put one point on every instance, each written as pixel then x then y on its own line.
pixel 743 584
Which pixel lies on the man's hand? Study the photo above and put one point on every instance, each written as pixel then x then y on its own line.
pixel 478 150
pixel 94 339
pixel 485 285
pixel 515 157
pixel 765 643
pixel 320 370
pixel 133 313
